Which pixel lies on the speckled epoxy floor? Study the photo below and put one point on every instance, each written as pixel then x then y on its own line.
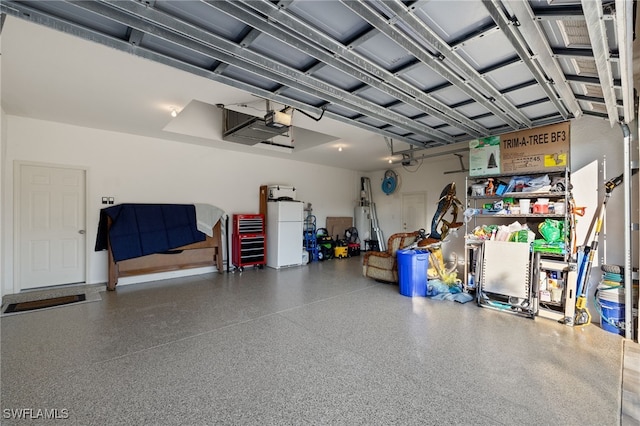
pixel 317 344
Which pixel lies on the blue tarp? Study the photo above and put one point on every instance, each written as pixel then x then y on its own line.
pixel 438 290
pixel 143 229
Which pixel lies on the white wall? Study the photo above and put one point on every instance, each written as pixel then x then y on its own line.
pixel 598 146
pixel 136 169
pixel 3 146
pixel 3 149
pixel 428 177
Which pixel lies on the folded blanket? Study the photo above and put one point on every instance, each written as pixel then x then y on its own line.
pixel 143 229
pixel 206 217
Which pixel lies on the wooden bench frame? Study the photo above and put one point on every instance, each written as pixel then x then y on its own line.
pixel 196 255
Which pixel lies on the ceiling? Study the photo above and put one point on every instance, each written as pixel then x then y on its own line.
pixel 373 77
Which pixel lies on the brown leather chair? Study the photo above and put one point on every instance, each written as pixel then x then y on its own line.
pixel 382 265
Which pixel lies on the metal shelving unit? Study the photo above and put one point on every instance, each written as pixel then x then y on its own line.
pixel 476 265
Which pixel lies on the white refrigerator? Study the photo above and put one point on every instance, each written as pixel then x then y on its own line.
pixel 284 233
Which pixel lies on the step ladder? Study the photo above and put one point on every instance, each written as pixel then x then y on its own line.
pixel 368 199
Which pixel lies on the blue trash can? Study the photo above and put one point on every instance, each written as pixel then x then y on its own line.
pixel 412 272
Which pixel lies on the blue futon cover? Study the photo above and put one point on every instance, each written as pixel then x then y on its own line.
pixel 142 229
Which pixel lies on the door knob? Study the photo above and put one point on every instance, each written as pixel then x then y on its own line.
pixel 81 231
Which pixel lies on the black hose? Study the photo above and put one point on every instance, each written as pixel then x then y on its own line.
pixel 324 108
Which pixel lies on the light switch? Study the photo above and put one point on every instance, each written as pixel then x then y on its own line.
pixel 105 200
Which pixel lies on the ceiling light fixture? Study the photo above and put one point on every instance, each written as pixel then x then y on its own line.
pixel 174 113
pixel 340 148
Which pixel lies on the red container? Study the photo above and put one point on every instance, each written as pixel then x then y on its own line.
pixel 249 240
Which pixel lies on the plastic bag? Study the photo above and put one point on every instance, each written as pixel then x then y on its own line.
pixel 517 183
pixel 543 246
pixel 503 233
pixel 521 236
pixel 538 184
pixel 551 230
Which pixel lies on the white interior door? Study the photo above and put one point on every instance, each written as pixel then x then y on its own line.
pixel 414 211
pixel 51 235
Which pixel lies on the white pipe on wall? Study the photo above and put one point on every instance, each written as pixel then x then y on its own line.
pixel 628 282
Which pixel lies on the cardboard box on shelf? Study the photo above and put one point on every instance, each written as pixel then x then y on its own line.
pixel 536 150
pixel 484 156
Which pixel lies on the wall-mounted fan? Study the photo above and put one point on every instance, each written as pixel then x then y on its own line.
pixel 390 182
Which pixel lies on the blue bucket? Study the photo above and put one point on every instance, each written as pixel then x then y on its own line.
pixel 412 272
pixel 611 302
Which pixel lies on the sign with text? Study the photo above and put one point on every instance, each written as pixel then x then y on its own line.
pixel 536 150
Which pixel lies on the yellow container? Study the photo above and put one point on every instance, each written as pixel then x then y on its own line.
pixel 341 252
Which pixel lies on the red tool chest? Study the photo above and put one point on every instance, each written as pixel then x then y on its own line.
pixel 249 245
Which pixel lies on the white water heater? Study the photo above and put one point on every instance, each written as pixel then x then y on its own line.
pixel 362 222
